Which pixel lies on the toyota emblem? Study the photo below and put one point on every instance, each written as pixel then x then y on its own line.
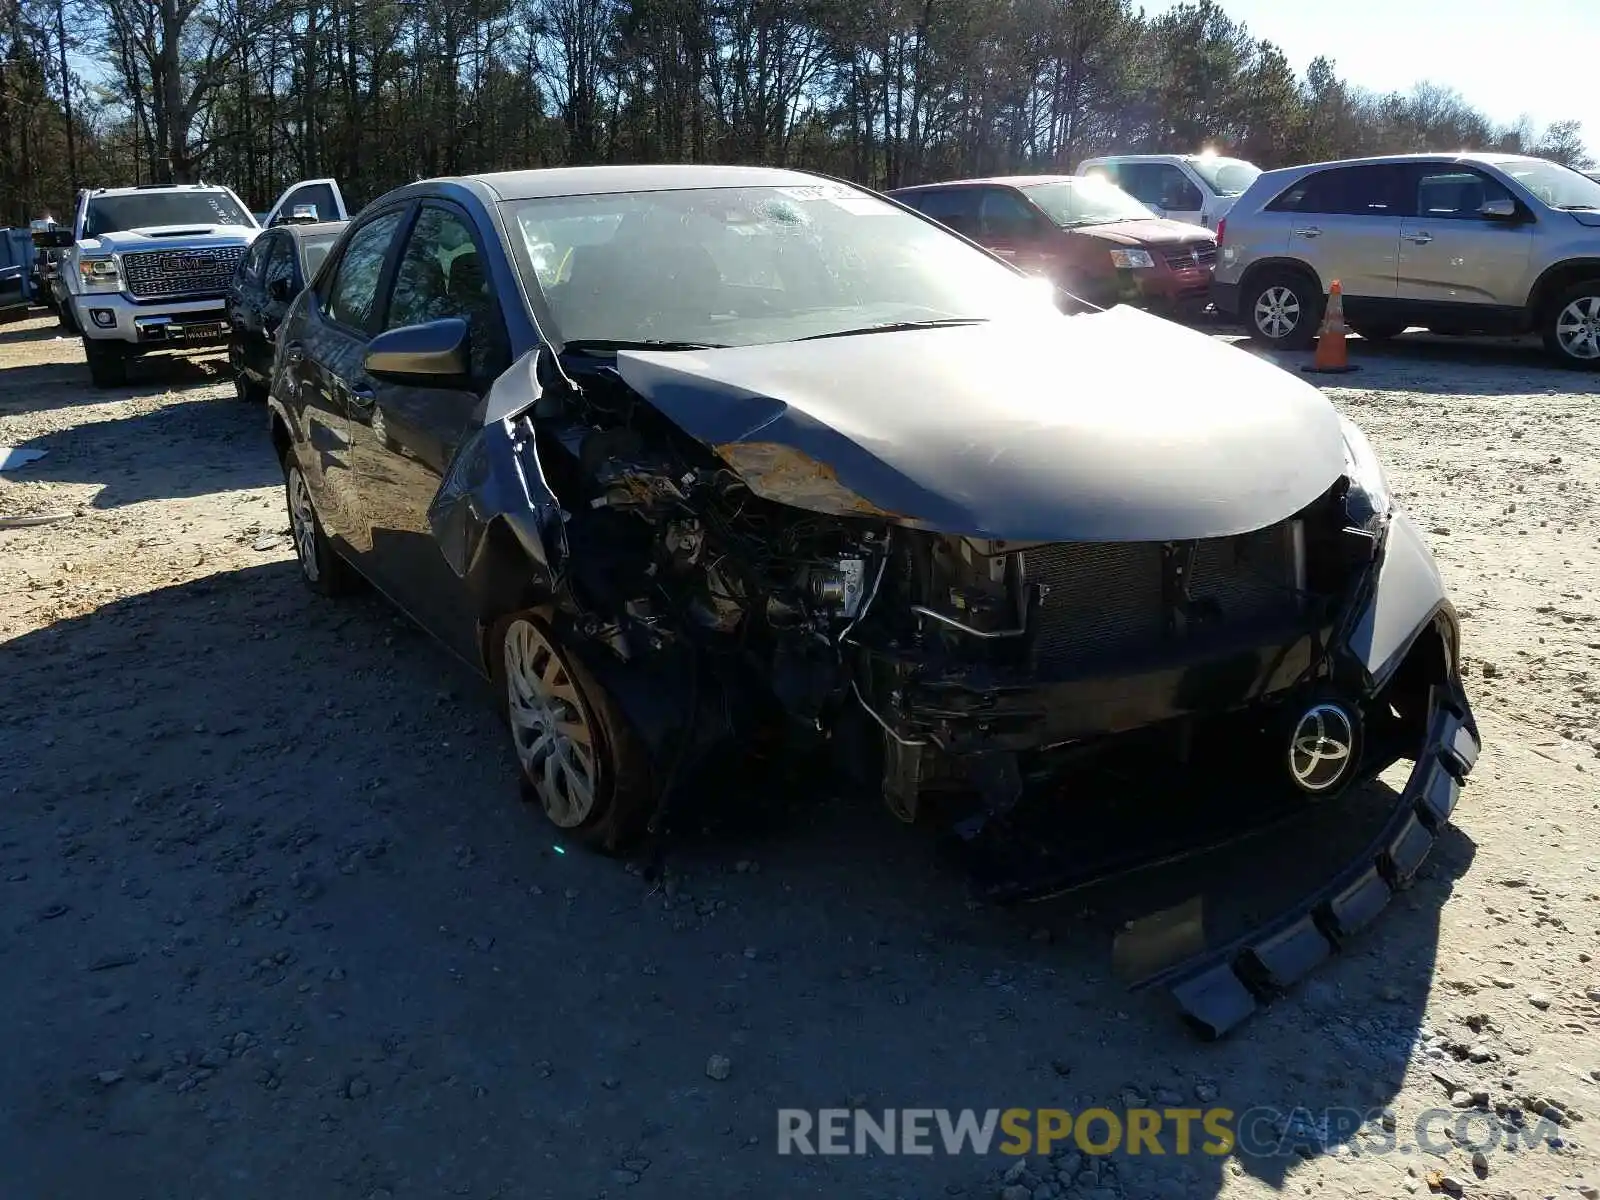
pixel 1322 748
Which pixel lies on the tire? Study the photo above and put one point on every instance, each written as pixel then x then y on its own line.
pixel 1379 333
pixel 602 797
pixel 246 390
pixel 1571 326
pixel 1291 295
pixel 321 568
pixel 64 317
pixel 108 362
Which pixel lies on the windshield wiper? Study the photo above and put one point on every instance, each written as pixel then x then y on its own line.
pixel 611 345
pixel 896 327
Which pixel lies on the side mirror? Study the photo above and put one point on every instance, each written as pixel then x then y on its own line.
pixel 433 354
pixel 53 239
pixel 1498 210
pixel 278 289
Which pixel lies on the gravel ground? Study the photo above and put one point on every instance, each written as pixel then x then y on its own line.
pixel 274 922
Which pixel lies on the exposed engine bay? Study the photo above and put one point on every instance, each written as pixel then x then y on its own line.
pixel 981 663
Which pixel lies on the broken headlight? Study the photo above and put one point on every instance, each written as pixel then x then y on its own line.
pixel 1367 500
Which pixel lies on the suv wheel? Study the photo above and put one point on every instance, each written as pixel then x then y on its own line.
pixel 1572 326
pixel 321 568
pixel 64 317
pixel 1283 308
pixel 108 363
pixel 580 760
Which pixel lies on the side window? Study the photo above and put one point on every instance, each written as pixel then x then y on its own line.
pixel 1453 193
pixel 442 274
pixel 280 263
pixel 954 209
pixel 353 291
pixel 319 195
pixel 1004 214
pixel 253 260
pixel 1172 189
pixel 1375 191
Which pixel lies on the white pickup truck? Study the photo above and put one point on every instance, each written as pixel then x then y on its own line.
pixel 147 268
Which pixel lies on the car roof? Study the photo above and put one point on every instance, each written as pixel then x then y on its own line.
pixel 147 189
pixel 1382 160
pixel 986 181
pixel 591 181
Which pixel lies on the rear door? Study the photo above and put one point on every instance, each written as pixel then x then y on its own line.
pixel 322 355
pixel 1449 252
pixel 1345 223
pixel 321 194
pixel 406 436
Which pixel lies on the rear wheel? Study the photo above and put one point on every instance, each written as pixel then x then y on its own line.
pixel 1572 326
pixel 579 759
pixel 321 568
pixel 108 362
pixel 1379 333
pixel 1282 309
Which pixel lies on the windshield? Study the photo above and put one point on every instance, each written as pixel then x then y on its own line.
pixel 1092 200
pixel 751 265
pixel 1557 186
pixel 1227 176
pixel 116 214
pixel 315 249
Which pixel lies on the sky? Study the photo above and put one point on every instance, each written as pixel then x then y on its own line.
pixel 1506 57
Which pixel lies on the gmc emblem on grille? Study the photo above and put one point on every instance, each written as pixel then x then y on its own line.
pixel 188 264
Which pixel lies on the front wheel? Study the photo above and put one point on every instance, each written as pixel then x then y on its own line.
pixel 1282 309
pixel 1572 327
pixel 64 318
pixel 246 389
pixel 108 362
pixel 579 758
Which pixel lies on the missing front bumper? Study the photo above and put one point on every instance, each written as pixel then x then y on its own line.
pixel 1219 989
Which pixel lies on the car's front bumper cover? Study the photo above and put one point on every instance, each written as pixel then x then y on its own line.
pixel 1222 987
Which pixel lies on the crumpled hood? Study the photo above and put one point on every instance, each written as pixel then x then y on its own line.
pixel 169 237
pixel 1115 426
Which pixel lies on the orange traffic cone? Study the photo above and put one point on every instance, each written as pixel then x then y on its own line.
pixel 1332 358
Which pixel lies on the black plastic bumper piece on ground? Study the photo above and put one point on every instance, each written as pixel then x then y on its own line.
pixel 1221 988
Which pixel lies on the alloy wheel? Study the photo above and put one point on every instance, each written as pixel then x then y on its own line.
pixel 1277 312
pixel 1578 329
pixel 550 725
pixel 303 523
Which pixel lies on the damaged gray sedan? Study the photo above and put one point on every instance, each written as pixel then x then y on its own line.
pixel 692 461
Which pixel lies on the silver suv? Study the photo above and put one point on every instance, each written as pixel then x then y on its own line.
pixel 1456 243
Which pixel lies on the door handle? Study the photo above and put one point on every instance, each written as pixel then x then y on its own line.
pixel 1420 239
pixel 362 396
pixel 1309 231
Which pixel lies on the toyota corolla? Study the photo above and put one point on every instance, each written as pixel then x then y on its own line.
pixel 687 459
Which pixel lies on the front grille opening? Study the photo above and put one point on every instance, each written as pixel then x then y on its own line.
pixel 162 273
pixel 1103 601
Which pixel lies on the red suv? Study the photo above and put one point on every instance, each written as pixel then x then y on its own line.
pixel 1083 232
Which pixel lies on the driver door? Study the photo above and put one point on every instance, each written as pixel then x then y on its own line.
pixel 322 194
pixel 406 436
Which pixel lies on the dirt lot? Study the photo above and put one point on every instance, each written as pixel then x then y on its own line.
pixel 274 923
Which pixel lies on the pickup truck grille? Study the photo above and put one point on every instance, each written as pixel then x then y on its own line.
pixel 161 273
pixel 1186 257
